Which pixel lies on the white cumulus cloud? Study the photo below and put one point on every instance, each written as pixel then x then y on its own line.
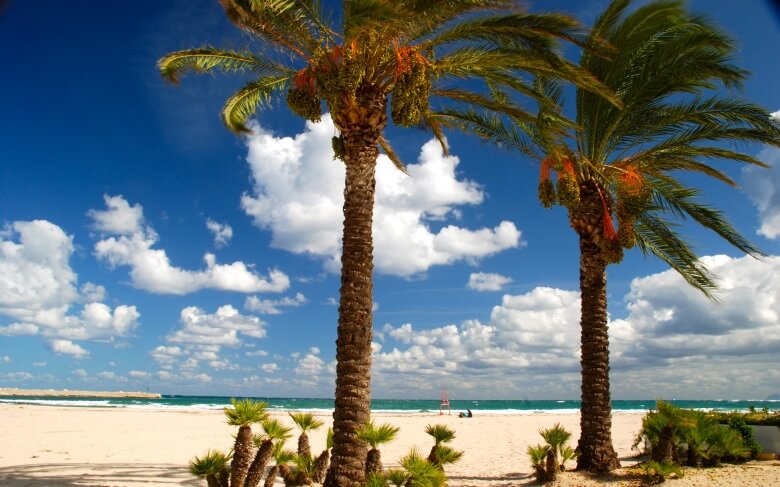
pixel 67 347
pixel 222 232
pixel 670 320
pixel 763 188
pixel 125 244
pixel 38 289
pixel 271 306
pixel 202 336
pixel 298 196
pixel 487 281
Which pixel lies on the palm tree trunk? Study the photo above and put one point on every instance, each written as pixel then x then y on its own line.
pixel 242 456
pixel 271 479
pixel 257 468
pixel 304 449
pixel 353 345
pixel 551 466
pixel 595 444
pixel 373 462
pixel 321 466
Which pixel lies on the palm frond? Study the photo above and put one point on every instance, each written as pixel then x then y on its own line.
pixel 655 236
pixel 284 24
pixel 243 412
pixel 207 59
pixel 244 103
pixel 491 127
pixel 390 153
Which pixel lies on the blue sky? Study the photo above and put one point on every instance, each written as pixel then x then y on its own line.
pixel 143 245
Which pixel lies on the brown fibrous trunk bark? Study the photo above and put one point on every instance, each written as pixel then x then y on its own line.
pixel 595 444
pixel 242 456
pixel 361 127
pixel 257 468
pixel 373 462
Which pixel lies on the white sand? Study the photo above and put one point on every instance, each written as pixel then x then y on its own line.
pixel 61 446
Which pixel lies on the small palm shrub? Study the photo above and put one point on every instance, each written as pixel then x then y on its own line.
pixel 538 455
pixel 243 413
pixel 441 454
pixel 672 431
pixel 397 477
pixel 212 466
pixel 306 422
pixel 376 480
pixel 375 436
pixel 422 473
pixel 551 458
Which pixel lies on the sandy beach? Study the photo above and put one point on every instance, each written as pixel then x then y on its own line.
pixel 62 446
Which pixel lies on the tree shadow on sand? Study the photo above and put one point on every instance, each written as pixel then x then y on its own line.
pixel 507 480
pixel 95 474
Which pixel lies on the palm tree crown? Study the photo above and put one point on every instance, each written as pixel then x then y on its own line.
pixel 378 435
pixel 623 165
pixel 245 412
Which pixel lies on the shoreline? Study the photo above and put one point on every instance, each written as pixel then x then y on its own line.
pixel 13 392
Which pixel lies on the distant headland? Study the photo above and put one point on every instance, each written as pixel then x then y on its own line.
pixel 67 393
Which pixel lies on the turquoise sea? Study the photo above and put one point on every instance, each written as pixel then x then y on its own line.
pixel 391 405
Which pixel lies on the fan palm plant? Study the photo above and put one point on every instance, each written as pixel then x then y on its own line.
pixel 397 477
pixel 243 414
pixel 213 466
pixel 401 53
pixel 321 464
pixel 275 433
pixel 441 434
pixel 305 422
pixel 375 436
pixel 623 165
pixel 538 455
pixel 421 472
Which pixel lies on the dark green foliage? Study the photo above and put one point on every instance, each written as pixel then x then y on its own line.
pixel 304 103
pixel 421 472
pixel 337 142
pixel 547 193
pixel 672 432
pixel 763 418
pixel 746 432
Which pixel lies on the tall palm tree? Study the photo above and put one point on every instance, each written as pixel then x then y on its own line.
pixel 624 165
pixel 275 432
pixel 399 53
pixel 375 436
pixel 243 414
pixel 305 422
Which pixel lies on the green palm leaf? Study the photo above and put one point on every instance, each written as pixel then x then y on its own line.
pixel 208 59
pixel 244 103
